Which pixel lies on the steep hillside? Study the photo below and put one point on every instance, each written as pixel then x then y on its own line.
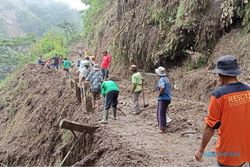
pixel 164 32
pixel 31 107
pixel 185 36
pixel 19 17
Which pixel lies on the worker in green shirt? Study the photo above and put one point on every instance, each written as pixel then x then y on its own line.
pixel 66 65
pixel 137 81
pixel 110 91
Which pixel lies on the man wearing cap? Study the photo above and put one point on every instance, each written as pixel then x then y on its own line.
pixel 105 65
pixel 164 98
pixel 95 78
pixel 229 112
pixel 136 87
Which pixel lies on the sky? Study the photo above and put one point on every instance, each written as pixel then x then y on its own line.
pixel 75 4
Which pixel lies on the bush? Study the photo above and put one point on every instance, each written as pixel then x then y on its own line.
pixel 199 61
pixel 50 44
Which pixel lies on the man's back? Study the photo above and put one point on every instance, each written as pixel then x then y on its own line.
pixel 66 64
pixel 108 86
pixel 137 79
pixel 229 110
pixel 106 60
pixel 95 78
pixel 56 60
pixel 164 82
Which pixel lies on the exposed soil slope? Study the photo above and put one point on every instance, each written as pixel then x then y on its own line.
pixel 35 101
pixel 31 107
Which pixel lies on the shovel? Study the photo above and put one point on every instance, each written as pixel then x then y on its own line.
pixel 143 97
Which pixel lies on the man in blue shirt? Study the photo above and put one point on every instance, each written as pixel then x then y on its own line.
pixel 164 98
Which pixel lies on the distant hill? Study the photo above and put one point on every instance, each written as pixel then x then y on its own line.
pixel 20 17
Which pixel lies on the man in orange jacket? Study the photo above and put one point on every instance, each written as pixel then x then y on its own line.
pixel 229 112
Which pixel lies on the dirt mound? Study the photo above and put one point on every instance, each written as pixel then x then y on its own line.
pixel 32 105
pixel 198 84
pixel 194 85
pixel 234 43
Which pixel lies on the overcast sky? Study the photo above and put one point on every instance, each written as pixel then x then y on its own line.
pixel 75 4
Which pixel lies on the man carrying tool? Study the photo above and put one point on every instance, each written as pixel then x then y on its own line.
pixel 137 86
pixel 106 62
pixel 164 98
pixel 110 92
pixel 229 112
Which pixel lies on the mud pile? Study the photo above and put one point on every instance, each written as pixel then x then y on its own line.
pixel 198 84
pixel 32 105
pixel 235 43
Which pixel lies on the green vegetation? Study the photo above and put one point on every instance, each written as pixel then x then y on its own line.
pixel 246 20
pixel 157 16
pixel 31 16
pixel 17 44
pixel 70 32
pixel 180 13
pixel 96 8
pixel 5 80
pixel 50 44
pixel 163 16
pixel 118 54
pixel 187 11
pixel 35 18
pixel 14 52
pixel 200 62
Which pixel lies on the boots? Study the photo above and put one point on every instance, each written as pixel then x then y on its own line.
pixel 114 113
pixel 104 117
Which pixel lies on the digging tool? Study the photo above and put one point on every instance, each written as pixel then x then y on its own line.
pixel 143 94
pixel 143 97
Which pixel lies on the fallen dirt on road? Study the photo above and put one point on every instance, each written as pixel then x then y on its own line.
pixel 34 102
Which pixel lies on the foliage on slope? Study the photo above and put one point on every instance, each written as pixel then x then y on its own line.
pixel 163 32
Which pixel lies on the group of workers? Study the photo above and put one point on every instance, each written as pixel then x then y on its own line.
pixel 228 111
pixel 100 82
pixel 55 62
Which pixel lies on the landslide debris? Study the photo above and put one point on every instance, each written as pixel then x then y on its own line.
pixel 31 107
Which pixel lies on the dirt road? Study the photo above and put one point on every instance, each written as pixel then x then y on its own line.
pixel 172 148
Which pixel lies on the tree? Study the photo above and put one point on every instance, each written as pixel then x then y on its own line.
pixel 70 32
pixel 18 44
pixel 50 44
